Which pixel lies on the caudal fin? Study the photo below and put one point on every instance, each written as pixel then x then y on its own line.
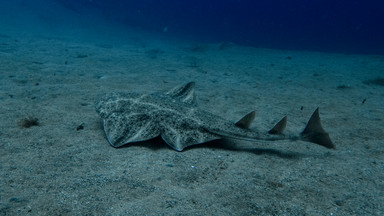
pixel 315 133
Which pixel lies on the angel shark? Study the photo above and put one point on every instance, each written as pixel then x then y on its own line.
pixel 175 117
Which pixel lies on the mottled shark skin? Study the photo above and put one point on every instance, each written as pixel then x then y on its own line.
pixel 175 117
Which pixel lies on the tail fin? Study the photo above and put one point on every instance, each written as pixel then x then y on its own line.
pixel 315 133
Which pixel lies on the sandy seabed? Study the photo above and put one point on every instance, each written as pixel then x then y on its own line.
pixel 55 159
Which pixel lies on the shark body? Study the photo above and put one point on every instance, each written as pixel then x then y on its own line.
pixel 176 118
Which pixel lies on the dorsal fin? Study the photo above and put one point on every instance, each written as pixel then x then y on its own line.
pixel 315 133
pixel 185 93
pixel 246 121
pixel 279 127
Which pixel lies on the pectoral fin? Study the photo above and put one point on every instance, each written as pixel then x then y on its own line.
pixel 185 93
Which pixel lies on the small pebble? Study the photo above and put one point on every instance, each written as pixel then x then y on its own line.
pixel 80 127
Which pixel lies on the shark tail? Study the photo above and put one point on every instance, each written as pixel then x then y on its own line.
pixel 315 133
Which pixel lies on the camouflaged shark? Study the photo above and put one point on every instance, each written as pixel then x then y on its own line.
pixel 175 117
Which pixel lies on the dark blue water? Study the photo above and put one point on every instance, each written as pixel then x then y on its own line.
pixel 326 25
pixel 346 26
